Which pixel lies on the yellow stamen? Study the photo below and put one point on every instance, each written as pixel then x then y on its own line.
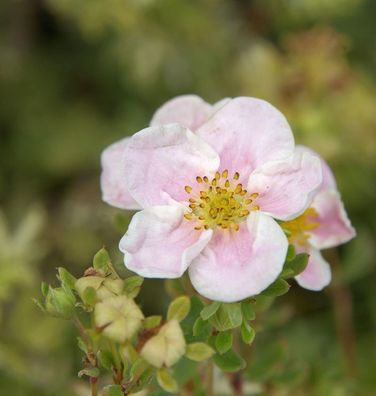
pixel 188 189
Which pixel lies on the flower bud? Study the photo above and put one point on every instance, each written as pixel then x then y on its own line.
pixel 60 302
pixel 104 287
pixel 119 316
pixel 165 348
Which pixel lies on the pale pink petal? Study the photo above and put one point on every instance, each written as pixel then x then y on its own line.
pixel 317 274
pixel 328 179
pixel 236 265
pixel 335 227
pixel 247 132
pixel 160 161
pixel 113 185
pixel 286 188
pixel 161 243
pixel 188 110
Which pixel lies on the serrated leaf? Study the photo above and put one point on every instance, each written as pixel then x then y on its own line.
pixel 278 288
pixel 223 341
pixel 101 261
pixel 201 327
pixel 166 381
pixel 90 372
pixel 199 351
pixel 132 286
pixel 106 359
pixel 210 310
pixel 89 296
pixel 227 317
pixel 179 308
pixel 152 321
pixel 66 278
pixel 112 390
pixel 247 332
pixel 82 345
pixel 230 361
pixel 248 310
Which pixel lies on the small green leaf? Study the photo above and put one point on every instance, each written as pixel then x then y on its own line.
pixel 210 310
pixel 201 328
pixel 101 261
pixel 179 308
pixel 152 321
pixel 227 317
pixel 66 278
pixel 112 390
pixel 247 332
pixel 199 351
pixel 82 345
pixel 166 381
pixel 229 362
pixel 248 310
pixel 138 367
pixel 223 341
pixel 132 286
pixel 90 372
pixel 39 305
pixel 297 265
pixel 44 288
pixel 290 253
pixel 278 288
pixel 105 359
pixel 89 296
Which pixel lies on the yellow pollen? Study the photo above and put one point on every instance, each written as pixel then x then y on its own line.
pixel 221 204
pixel 299 228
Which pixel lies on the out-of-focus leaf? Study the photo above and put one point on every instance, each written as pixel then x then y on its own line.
pixel 166 381
pixel 179 308
pixel 223 341
pixel 230 361
pixel 247 332
pixel 132 285
pixel 101 261
pixel 210 310
pixel 199 351
pixel 278 288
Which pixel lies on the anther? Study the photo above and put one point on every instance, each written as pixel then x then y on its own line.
pixel 206 227
pixel 198 228
pixel 199 179
pixel 188 189
pixel 192 200
pixel 254 195
pixel 188 216
pixel 236 175
pixel 217 175
pixel 248 201
pixel 214 182
pixel 255 207
pixel 238 188
pixel 236 227
pixel 206 180
pixel 192 206
pixel 225 174
pixel 227 183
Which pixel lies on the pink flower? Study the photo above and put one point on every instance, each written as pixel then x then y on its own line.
pixel 210 180
pixel 323 225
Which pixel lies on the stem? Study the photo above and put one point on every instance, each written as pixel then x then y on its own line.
pixel 209 379
pixel 94 386
pixel 343 313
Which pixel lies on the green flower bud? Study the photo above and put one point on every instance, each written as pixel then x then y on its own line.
pixel 165 348
pixel 119 316
pixel 104 287
pixel 60 302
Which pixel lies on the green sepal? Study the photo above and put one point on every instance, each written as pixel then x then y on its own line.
pixel 132 286
pixel 209 310
pixel 277 288
pixel 102 261
pixel 227 317
pixel 179 308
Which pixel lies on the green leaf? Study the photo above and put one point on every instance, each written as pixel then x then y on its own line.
pixel 291 253
pixel 278 288
pixel 248 310
pixel 297 265
pixel 210 310
pixel 44 288
pixel 66 278
pixel 227 317
pixel 166 381
pixel 89 296
pixel 82 345
pixel 199 351
pixel 223 341
pixel 101 261
pixel 152 321
pixel 106 359
pixel 179 308
pixel 112 390
pixel 132 286
pixel 138 367
pixel 90 372
pixel 230 361
pixel 201 328
pixel 247 332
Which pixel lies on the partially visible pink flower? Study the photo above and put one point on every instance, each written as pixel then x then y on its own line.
pixel 324 225
pixel 210 180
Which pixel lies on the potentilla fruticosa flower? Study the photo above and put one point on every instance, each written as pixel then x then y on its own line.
pixel 323 225
pixel 210 181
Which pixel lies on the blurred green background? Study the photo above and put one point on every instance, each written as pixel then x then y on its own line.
pixel 76 75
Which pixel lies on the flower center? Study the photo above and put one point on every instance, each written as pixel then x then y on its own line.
pixel 299 228
pixel 220 202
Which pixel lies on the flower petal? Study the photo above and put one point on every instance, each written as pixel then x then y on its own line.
pixel 286 187
pixel 161 160
pixel 246 132
pixel 188 110
pixel 160 243
pixel 113 186
pixel 317 274
pixel 335 227
pixel 236 265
